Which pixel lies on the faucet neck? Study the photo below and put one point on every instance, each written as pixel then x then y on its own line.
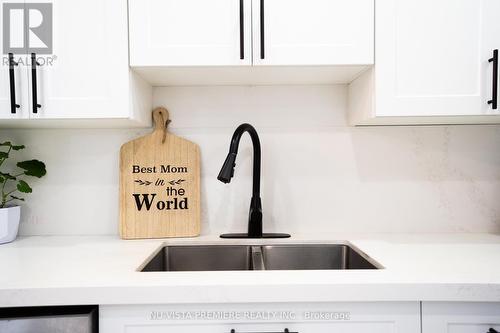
pixel 235 142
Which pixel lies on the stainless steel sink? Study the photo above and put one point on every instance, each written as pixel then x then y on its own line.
pixel 201 258
pixel 322 256
pixel 259 257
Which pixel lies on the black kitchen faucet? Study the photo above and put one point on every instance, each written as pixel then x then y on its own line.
pixel 227 172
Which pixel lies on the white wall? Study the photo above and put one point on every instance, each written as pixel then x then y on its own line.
pixel 318 173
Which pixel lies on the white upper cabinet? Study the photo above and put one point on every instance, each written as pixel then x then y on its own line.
pixel 431 63
pixel 86 75
pixel 433 56
pixel 231 41
pixel 13 85
pixel 14 103
pixel 190 32
pixel 75 66
pixel 313 32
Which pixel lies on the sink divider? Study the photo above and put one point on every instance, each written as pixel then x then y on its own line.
pixel 257 259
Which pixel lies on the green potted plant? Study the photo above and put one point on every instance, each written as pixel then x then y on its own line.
pixel 10 184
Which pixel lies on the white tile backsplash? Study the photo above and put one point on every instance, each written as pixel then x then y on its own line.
pixel 318 173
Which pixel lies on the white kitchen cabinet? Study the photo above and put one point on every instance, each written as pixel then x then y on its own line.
pixel 86 78
pixel 431 64
pixel 19 87
pixel 245 318
pixel 174 42
pixel 313 32
pixel 17 107
pixel 453 317
pixel 190 32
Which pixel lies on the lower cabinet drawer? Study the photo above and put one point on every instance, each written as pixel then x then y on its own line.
pixel 375 327
pixel 449 317
pixel 271 318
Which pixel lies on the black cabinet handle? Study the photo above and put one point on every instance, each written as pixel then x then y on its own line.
pixel 12 82
pixel 242 31
pixel 284 331
pixel 494 91
pixel 492 330
pixel 262 52
pixel 34 91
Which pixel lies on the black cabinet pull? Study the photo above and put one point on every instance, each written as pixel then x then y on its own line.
pixel 262 53
pixel 34 91
pixel 242 31
pixel 492 330
pixel 284 331
pixel 12 82
pixel 494 91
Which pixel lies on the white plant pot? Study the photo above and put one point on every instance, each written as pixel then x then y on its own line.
pixel 9 223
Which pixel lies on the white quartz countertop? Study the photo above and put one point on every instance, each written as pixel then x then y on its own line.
pixel 54 270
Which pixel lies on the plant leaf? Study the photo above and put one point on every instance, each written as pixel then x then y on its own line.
pixel 4 154
pixel 7 176
pixel 18 147
pixel 16 198
pixel 22 186
pixel 6 143
pixel 33 168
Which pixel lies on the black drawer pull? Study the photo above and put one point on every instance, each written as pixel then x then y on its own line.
pixel 12 82
pixel 284 331
pixel 34 90
pixel 494 90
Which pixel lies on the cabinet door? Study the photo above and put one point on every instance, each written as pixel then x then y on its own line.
pixel 447 317
pixel 432 56
pixel 190 32
pixel 313 32
pixel 18 86
pixel 86 75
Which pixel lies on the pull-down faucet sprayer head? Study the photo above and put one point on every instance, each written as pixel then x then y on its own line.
pixel 227 170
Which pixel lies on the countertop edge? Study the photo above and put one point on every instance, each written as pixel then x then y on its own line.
pixel 133 295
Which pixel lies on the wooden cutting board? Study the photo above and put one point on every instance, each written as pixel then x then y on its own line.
pixel 159 184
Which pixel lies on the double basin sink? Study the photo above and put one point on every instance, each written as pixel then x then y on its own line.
pixel 259 257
